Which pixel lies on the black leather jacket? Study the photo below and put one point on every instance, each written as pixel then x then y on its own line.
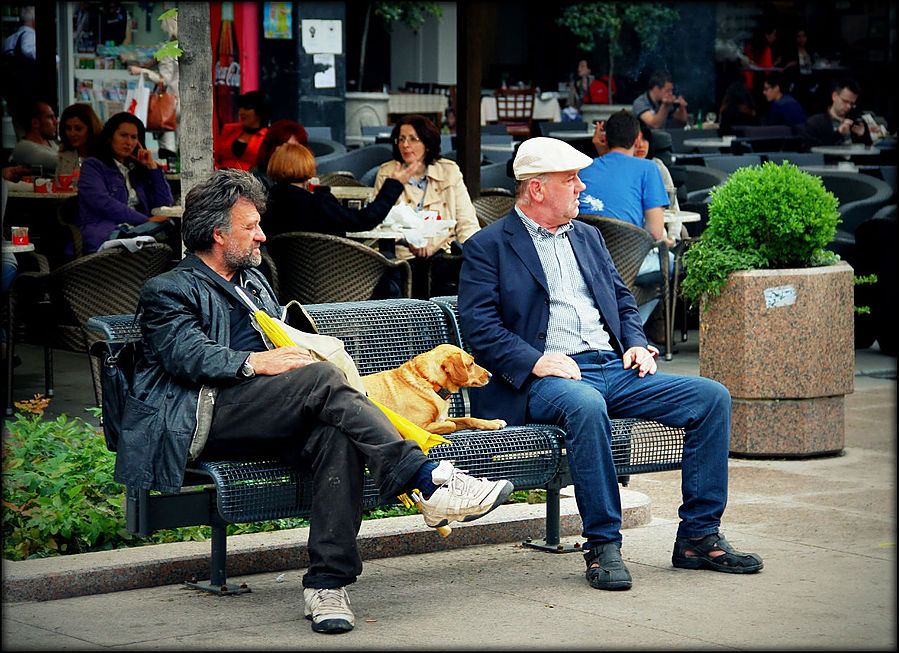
pixel 186 358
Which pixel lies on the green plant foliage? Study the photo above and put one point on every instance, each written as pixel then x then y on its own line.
pixel 768 216
pixel 59 495
pixel 594 21
pixel 411 14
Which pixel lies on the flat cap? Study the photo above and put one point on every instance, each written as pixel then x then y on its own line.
pixel 541 154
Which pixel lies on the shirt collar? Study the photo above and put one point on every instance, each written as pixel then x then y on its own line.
pixel 536 231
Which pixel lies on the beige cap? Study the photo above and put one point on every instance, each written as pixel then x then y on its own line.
pixel 541 154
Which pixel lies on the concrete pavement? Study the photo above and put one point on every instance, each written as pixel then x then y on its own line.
pixel 826 528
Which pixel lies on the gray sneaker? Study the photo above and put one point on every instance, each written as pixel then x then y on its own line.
pixel 460 497
pixel 328 609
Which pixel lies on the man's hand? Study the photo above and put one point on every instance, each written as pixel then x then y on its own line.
pixel 423 252
pixel 14 172
pixel 845 126
pixel 599 138
pixel 858 128
pixel 557 365
pixel 641 359
pixel 280 360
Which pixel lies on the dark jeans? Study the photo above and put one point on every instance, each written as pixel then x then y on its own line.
pixel 312 420
pixel 583 408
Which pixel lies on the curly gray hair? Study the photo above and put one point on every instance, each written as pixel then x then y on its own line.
pixel 207 206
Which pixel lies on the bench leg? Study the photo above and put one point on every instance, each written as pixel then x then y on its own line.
pixel 216 583
pixel 552 543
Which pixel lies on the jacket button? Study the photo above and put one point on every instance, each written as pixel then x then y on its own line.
pixel 546 301
pixel 170 395
pixel 542 336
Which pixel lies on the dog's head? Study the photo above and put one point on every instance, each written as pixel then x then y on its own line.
pixel 451 367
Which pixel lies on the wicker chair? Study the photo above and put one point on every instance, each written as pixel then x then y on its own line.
pixel 318 268
pixel 62 300
pixel 628 245
pixel 491 208
pixel 339 178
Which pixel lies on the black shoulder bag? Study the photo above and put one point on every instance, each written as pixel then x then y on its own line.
pixel 117 357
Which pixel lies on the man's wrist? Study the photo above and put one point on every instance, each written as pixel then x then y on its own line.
pixel 246 370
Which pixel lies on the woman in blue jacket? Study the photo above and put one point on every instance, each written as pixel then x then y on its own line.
pixel 120 182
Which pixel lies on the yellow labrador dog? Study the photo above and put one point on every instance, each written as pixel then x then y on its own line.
pixel 420 389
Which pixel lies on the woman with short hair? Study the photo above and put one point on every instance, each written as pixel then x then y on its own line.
pixel 292 206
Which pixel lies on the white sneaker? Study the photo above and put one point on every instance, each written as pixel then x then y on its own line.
pixel 460 497
pixel 328 609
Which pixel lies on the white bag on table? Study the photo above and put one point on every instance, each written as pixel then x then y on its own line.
pixel 418 227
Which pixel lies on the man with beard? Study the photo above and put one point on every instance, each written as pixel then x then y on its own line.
pixel 207 387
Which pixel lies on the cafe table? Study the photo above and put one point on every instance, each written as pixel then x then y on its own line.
pixel 385 239
pixel 674 221
pixel 571 135
pixel 846 151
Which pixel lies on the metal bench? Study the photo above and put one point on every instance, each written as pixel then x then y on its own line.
pixel 378 335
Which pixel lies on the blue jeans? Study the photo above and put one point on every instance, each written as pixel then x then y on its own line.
pixel 583 409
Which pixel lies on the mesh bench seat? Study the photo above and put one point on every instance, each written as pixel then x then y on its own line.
pixel 379 335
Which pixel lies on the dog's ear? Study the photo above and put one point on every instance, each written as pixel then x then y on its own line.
pixel 456 368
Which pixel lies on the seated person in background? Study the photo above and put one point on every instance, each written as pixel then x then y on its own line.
pixel 276 404
pixel 737 108
pixel 293 207
pixel 278 133
pixel 79 129
pixel 579 86
pixel 784 108
pixel 839 125
pixel 644 150
pixel 120 183
pixel 544 309
pixel 619 185
pixel 438 187
pixel 38 147
pixel 658 107
pixel 237 144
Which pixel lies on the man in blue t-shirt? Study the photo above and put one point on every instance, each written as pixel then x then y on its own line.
pixel 620 185
pixel 784 109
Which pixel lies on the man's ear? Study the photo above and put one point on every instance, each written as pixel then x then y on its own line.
pixel 218 236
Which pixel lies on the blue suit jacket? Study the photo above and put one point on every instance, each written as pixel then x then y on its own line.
pixel 504 308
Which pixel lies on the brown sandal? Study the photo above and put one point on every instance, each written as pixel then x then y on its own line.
pixel 731 561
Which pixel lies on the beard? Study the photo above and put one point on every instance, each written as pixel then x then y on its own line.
pixel 243 260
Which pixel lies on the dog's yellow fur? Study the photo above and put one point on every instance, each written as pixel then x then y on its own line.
pixel 409 389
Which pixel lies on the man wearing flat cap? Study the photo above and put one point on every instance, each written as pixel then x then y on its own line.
pixel 544 309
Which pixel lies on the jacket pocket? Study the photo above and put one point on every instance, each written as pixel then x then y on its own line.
pixel 134 457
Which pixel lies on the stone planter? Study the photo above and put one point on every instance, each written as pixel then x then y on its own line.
pixel 782 342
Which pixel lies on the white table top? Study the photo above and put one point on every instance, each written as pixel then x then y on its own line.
pixel 168 211
pixel 855 149
pixel 571 135
pixel 724 141
pixel 498 147
pixel 31 194
pixel 393 234
pixel 18 249
pixel 681 216
pixel 352 192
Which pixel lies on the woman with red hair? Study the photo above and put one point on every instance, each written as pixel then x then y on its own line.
pixel 279 132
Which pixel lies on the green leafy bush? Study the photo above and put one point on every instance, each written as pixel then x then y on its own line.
pixel 769 216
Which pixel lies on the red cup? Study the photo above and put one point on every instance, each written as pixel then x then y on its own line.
pixel 19 235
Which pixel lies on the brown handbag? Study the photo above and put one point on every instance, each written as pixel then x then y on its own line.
pixel 161 110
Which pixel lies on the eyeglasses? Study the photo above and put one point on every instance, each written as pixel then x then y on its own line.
pixel 407 139
pixel 845 101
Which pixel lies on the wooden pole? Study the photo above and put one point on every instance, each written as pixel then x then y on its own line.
pixel 469 17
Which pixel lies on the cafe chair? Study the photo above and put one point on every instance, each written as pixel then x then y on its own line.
pixel 316 131
pixel 698 180
pixel 490 208
pixel 515 110
pixel 860 197
pixel 323 146
pixel 628 245
pixel 495 175
pixel 729 163
pixel 800 159
pixel 339 178
pixel 357 162
pixel 58 303
pixel 318 268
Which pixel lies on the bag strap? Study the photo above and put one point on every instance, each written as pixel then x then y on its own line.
pixel 196 263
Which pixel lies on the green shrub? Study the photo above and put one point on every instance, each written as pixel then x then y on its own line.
pixel 768 216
